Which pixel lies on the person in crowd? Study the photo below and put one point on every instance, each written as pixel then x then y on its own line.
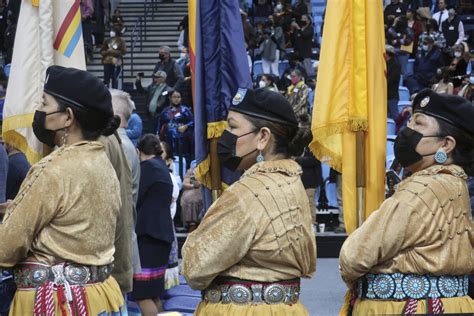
pixel 416 27
pixel 267 81
pixel 18 167
pixel 174 74
pixel 176 127
pixel 294 62
pixel 422 262
pixel 465 90
pixel 453 29
pixel 272 43
pixel 123 106
pixel 260 255
pixel 303 34
pixel 442 14
pixel 191 200
pixel 400 37
pixel 9 38
pixel 312 178
pixel 458 66
pixel 172 270
pixel 249 34
pixel 112 51
pixel 262 8
pixel 185 88
pixel 393 81
pixel 394 9
pixel 154 226
pixel 299 9
pixel 43 230
pixel 183 59
pixel 417 4
pixel 431 30
pixel 184 28
pixel 117 22
pixel 426 63
pixel 444 82
pixel 157 100
pixel 134 127
pixel 87 14
pixel 297 95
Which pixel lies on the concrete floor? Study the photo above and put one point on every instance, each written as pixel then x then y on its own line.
pixel 324 293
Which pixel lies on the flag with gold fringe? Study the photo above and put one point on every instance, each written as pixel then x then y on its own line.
pixel 351 96
pixel 49 33
pixel 219 67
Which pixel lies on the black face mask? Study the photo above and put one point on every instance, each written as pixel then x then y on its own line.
pixel 161 56
pixel 46 136
pixel 405 147
pixel 226 149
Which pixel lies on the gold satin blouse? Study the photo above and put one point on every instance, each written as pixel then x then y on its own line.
pixel 424 228
pixel 259 229
pixel 66 210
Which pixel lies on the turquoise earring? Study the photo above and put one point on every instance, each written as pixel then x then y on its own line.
pixel 260 157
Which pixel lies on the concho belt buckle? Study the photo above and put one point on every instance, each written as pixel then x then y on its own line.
pixel 213 295
pixel 239 294
pixel 274 294
pixel 77 274
pixel 37 276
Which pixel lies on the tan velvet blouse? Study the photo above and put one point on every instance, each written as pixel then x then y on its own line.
pixel 424 228
pixel 259 229
pixel 66 210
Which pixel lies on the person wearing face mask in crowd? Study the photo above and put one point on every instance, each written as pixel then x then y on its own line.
pixel 174 74
pixel 176 128
pixel 431 30
pixel 183 59
pixel 303 34
pixel 112 51
pixel 157 94
pixel 426 63
pixel 444 83
pixel 453 29
pixel 267 82
pixel 297 94
pixel 154 226
pixel 271 46
pixel 294 62
pixel 458 65
pixel 414 254
pixel 59 232
pixel 256 241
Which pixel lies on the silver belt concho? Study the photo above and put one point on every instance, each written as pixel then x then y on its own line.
pixel 255 294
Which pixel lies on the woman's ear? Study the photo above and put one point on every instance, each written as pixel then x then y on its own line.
pixel 449 144
pixel 70 117
pixel 264 136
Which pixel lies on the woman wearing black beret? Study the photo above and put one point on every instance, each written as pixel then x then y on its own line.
pixel 59 231
pixel 256 241
pixel 414 254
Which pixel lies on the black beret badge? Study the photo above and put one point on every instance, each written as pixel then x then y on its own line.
pixel 239 96
pixel 424 102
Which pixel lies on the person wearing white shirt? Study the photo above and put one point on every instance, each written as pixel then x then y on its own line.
pixel 453 29
pixel 442 14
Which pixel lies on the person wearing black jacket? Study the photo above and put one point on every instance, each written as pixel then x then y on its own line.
pixel 394 9
pixel 312 177
pixel 303 34
pixel 393 80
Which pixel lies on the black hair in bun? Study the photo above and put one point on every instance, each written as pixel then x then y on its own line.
pixel 111 125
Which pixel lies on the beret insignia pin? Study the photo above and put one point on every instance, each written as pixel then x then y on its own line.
pixel 239 96
pixel 425 102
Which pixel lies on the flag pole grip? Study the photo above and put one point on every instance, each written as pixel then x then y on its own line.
pixel 215 170
pixel 360 176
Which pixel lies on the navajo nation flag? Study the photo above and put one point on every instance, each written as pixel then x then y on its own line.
pixel 219 67
pixel 49 33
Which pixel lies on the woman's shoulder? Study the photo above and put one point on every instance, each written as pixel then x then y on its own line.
pixel 155 170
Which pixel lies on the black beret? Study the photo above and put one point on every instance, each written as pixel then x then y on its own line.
pixel 452 109
pixel 264 104
pixel 80 89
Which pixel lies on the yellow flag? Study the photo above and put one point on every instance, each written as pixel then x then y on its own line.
pixel 351 96
pixel 49 33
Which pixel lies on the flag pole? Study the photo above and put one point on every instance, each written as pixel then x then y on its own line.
pixel 360 176
pixel 215 170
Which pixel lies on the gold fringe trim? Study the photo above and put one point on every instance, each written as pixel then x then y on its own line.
pixel 215 129
pixel 35 3
pixel 19 141
pixel 17 121
pixel 320 133
pixel 203 174
pixel 346 305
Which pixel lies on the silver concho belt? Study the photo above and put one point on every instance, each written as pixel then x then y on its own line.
pixel 249 292
pixel 33 275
